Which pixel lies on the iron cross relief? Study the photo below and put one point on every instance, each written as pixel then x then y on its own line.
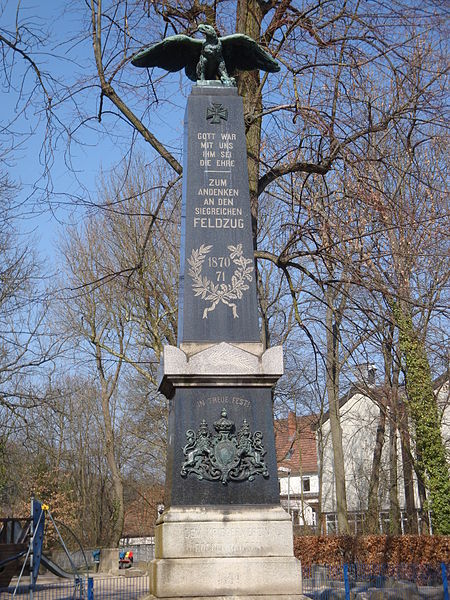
pixel 216 113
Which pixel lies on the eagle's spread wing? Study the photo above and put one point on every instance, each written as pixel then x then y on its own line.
pixel 241 52
pixel 172 54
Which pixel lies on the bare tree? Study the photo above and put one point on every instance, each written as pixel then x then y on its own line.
pixel 353 74
pixel 121 316
pixel 27 349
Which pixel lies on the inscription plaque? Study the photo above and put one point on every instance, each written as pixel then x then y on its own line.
pixel 217 281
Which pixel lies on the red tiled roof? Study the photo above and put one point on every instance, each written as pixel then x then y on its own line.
pixel 293 436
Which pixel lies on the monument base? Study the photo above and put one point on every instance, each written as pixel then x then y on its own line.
pixel 241 552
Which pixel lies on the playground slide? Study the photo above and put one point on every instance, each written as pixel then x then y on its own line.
pixel 55 569
pixel 10 561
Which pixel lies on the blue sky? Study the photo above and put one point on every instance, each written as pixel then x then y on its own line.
pixel 95 151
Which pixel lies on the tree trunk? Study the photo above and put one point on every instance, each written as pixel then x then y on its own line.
pixel 332 386
pixel 373 508
pixel 431 460
pixel 320 530
pixel 408 478
pixel 394 507
pixel 116 476
pixel 424 526
pixel 248 20
pixel 372 523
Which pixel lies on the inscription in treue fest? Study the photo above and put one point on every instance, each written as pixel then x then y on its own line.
pixel 223 400
pixel 217 206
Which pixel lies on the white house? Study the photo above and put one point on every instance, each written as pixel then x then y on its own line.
pixel 296 448
pixel 305 459
pixel 360 413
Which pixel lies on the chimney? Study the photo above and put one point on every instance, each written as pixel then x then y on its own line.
pixel 365 373
pixel 292 423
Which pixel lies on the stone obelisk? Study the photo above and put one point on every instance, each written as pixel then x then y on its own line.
pixel 223 533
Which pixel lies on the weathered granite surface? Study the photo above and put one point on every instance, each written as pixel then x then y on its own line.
pixel 188 408
pixel 227 576
pixel 225 552
pixel 217 275
pixel 197 532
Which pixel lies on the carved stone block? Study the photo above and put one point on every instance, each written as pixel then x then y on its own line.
pixel 220 365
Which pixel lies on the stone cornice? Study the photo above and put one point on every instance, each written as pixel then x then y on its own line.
pixel 221 364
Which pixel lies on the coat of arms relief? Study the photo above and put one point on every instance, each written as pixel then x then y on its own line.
pixel 226 455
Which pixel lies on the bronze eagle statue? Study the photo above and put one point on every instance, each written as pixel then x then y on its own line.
pixel 208 59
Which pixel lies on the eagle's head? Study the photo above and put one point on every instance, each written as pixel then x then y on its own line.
pixel 208 31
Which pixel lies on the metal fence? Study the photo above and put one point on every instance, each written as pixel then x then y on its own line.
pixel 107 588
pixel 141 553
pixel 121 588
pixel 82 559
pixel 342 582
pixel 373 582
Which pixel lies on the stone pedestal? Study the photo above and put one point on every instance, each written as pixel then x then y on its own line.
pixel 241 547
pixel 243 552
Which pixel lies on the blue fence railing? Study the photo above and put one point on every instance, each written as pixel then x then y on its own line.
pixel 360 581
pixel 343 582
pixel 97 588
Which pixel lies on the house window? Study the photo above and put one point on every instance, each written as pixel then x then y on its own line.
pixel 306 484
pixel 356 522
pixel 332 527
pixel 384 523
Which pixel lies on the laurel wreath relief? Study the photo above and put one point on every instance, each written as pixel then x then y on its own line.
pixel 223 292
